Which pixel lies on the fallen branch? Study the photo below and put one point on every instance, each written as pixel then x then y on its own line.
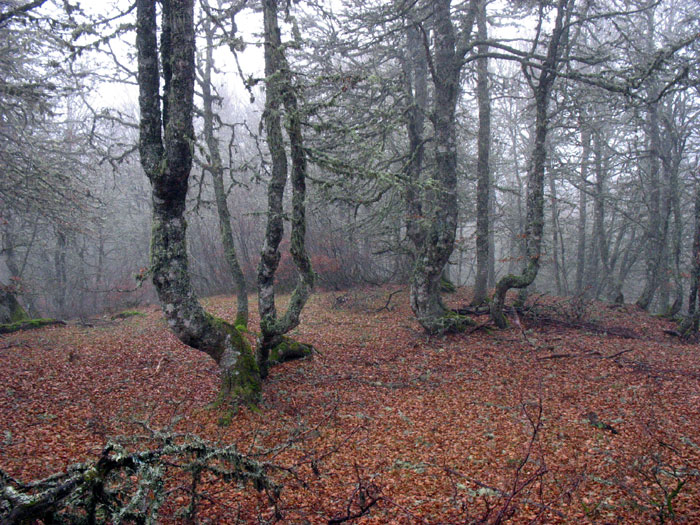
pixel 28 325
pixel 125 485
pixel 388 301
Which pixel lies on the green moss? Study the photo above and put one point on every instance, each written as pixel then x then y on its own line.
pixel 241 384
pixel 449 323
pixel 241 323
pixel 18 314
pixel 289 350
pixel 28 324
pixel 447 286
pixel 128 313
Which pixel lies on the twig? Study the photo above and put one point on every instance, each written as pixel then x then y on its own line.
pixel 388 301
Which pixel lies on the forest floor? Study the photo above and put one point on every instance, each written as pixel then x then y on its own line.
pixel 543 420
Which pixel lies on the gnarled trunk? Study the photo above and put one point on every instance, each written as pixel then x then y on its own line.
pixel 167 162
pixel 535 188
pixel 280 92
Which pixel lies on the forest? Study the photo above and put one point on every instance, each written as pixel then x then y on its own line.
pixel 349 261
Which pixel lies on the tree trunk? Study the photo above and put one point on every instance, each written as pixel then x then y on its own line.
pixel 690 324
pixel 483 172
pixel 558 277
pixel 167 163
pixel 281 92
pixel 535 189
pixel 415 66
pixel 440 204
pixel 215 167
pixel 59 261
pixel 583 212
pixel 655 239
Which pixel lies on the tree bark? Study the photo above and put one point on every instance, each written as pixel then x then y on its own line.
pixel 167 162
pixel 483 172
pixel 535 190
pixel 280 92
pixel 216 169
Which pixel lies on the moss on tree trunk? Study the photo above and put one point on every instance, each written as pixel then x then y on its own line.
pixel 10 309
pixel 167 160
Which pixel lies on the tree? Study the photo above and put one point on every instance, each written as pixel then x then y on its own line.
pixel 439 209
pixel 541 85
pixel 484 246
pixel 280 93
pixel 216 169
pixel 166 138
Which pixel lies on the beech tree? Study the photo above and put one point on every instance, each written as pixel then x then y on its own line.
pixel 541 82
pixel 272 346
pixel 439 204
pixel 166 138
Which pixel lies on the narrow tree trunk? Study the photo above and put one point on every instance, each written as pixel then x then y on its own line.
pixel 168 163
pixel 483 172
pixel 535 190
pixel 59 260
pixel 215 167
pixel 582 212
pixel 673 161
pixel 555 235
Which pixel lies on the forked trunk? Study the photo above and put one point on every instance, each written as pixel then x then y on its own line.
pixel 168 163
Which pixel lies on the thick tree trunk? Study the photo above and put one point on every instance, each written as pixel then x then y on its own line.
pixel 281 92
pixel 535 190
pixel 215 167
pixel 168 163
pixel 440 204
pixel 415 66
pixel 483 172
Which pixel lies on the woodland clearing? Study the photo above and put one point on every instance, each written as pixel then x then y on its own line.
pixel 541 421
